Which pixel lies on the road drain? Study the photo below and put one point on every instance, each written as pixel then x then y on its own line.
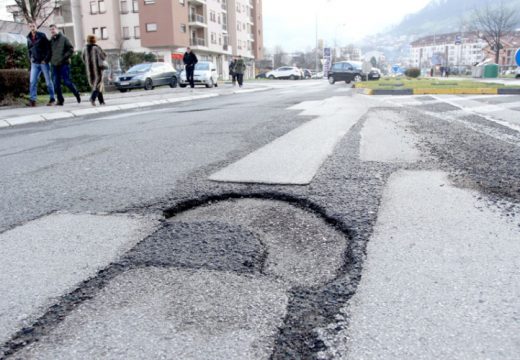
pixel 237 278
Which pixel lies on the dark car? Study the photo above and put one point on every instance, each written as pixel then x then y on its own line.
pixel 147 76
pixel 347 71
pixel 261 76
pixel 374 74
pixel 307 74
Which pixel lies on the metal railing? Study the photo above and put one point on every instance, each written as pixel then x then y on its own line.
pixel 197 18
pixel 198 42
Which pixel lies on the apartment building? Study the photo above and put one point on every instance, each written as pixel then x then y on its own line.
pixel 453 49
pixel 216 30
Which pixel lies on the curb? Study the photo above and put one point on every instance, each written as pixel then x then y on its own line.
pixel 31 119
pixel 467 91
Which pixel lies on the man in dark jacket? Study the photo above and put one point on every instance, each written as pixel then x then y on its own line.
pixel 190 59
pixel 40 55
pixel 62 51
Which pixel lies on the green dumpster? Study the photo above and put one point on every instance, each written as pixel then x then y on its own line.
pixel 490 71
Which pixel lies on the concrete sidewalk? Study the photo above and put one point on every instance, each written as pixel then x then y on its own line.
pixel 116 102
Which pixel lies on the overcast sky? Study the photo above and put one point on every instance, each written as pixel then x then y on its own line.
pixel 292 23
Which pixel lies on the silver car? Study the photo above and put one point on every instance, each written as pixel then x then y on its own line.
pixel 205 74
pixel 147 76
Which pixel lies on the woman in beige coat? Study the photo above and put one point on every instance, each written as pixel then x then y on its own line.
pixel 94 57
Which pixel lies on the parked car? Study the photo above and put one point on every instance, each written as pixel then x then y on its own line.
pixel 347 71
pixel 262 75
pixel 517 76
pixel 147 76
pixel 307 74
pixel 205 74
pixel 285 72
pixel 374 74
pixel 318 75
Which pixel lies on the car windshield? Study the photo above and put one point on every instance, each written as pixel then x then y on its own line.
pixel 140 68
pixel 202 66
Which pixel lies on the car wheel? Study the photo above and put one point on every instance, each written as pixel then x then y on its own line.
pixel 123 90
pixel 332 80
pixel 173 82
pixel 358 78
pixel 271 77
pixel 148 84
pixel 292 77
pixel 211 84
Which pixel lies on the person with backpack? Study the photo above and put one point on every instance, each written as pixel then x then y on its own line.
pixel 39 48
pixel 240 69
pixel 94 59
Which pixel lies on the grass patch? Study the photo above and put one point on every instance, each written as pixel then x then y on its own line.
pixel 426 83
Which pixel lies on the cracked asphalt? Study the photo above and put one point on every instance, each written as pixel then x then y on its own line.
pixel 241 270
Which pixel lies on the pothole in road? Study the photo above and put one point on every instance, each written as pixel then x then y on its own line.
pixel 265 275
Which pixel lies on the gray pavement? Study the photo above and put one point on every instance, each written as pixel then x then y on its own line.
pixel 417 196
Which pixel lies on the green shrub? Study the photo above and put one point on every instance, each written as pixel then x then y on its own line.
pixel 130 58
pixel 14 83
pixel 413 72
pixel 13 56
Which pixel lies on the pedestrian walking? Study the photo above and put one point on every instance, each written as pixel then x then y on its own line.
pixel 39 48
pixel 94 59
pixel 240 69
pixel 232 73
pixel 190 60
pixel 62 51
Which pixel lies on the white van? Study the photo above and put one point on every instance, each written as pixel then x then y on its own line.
pixel 205 74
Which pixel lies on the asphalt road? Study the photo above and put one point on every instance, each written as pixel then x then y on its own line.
pixel 399 242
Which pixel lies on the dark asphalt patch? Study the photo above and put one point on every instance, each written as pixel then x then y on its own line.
pixel 201 245
pixel 437 107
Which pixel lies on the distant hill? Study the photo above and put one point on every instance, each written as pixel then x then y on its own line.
pixel 443 16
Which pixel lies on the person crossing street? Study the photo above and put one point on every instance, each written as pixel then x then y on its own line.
pixel 190 60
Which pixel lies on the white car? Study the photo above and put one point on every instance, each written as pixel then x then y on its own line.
pixel 205 74
pixel 285 72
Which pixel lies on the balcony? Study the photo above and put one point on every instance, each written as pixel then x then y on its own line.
pixel 197 2
pixel 197 42
pixel 197 20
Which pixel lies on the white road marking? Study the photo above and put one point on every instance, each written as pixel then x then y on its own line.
pixel 441 279
pixel 46 258
pixel 296 157
pixel 384 139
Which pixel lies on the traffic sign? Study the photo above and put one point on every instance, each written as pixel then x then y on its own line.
pixel 517 57
pixel 458 40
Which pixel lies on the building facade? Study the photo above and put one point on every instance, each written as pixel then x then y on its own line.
pixel 216 30
pixel 453 49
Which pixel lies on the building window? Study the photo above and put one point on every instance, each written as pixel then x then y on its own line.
pixel 183 28
pixel 151 27
pixel 124 7
pixel 212 16
pixel 126 32
pixel 102 7
pixel 213 38
pixel 104 33
pixel 95 32
pixel 135 6
pixel 218 19
pixel 93 7
pixel 148 2
pixel 137 32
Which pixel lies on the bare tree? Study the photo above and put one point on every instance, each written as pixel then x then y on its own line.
pixel 278 57
pixel 37 11
pixel 492 23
